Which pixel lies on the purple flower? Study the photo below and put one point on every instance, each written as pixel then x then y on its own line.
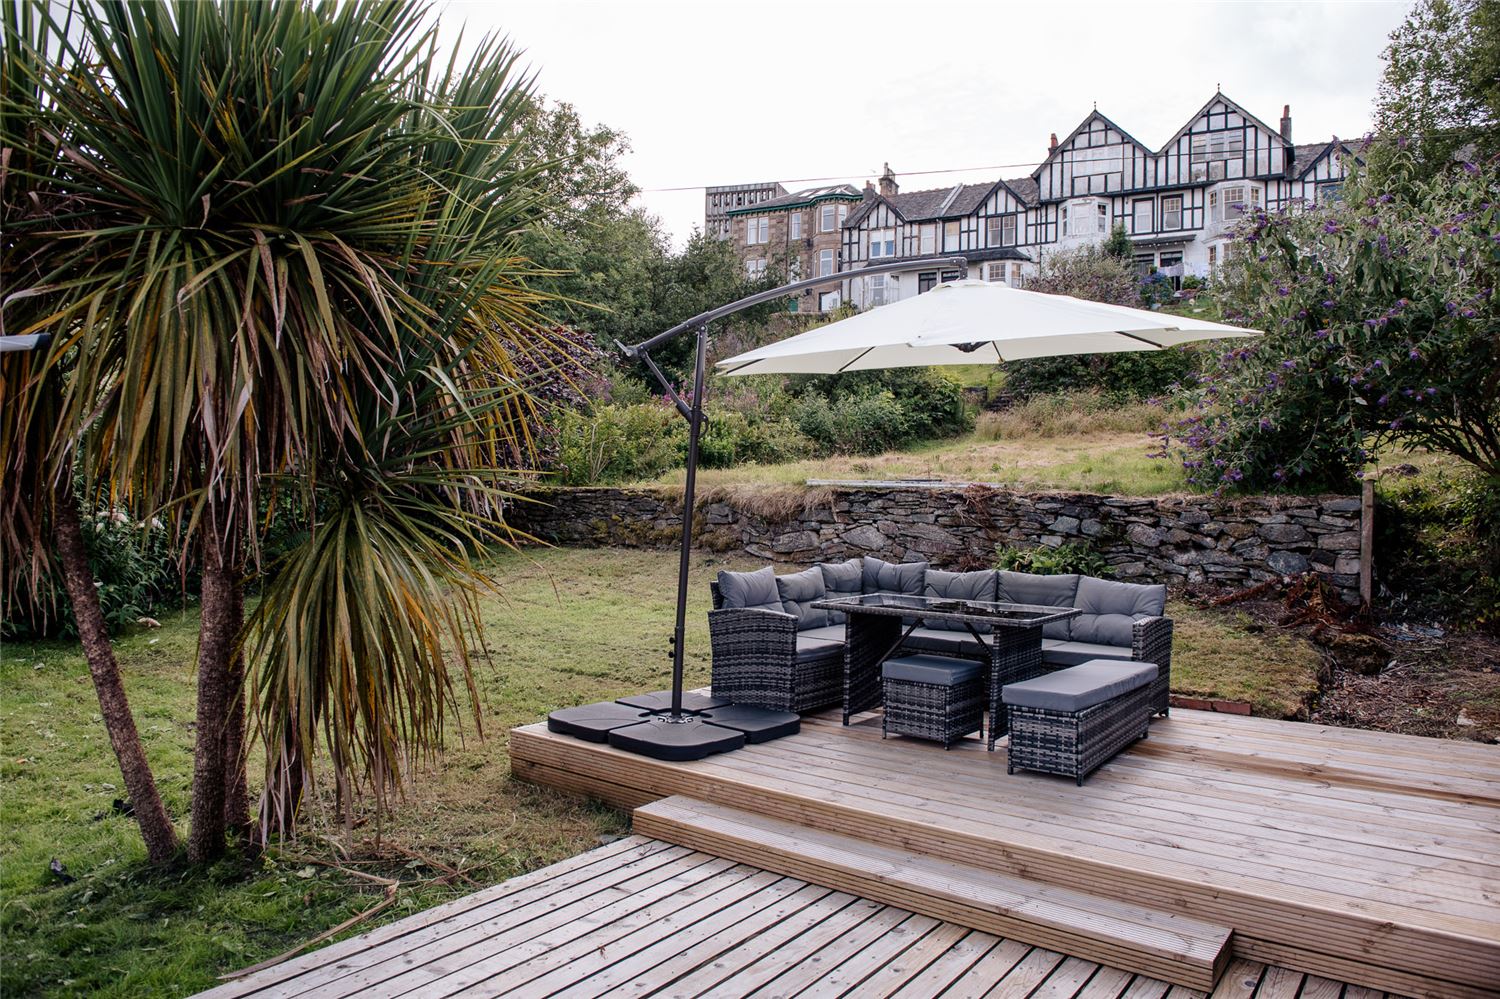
pixel 1414 354
pixel 1330 226
pixel 1329 303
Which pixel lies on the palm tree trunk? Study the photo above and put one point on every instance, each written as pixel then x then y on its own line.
pixel 237 787
pixel 216 649
pixel 114 707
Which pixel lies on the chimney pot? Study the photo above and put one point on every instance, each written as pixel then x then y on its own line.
pixel 1052 143
pixel 1286 123
pixel 888 185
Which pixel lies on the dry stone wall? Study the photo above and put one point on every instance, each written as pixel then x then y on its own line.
pixel 1195 539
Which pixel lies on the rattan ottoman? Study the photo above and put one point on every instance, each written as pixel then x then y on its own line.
pixel 1072 721
pixel 933 697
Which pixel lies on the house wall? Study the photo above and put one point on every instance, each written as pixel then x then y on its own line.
pixel 1164 539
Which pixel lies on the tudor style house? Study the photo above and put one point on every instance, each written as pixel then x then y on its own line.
pixel 1177 203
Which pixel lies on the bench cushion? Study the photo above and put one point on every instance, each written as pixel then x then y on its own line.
pixel 1044 591
pixel 827 633
pixel 797 591
pixel 938 670
pixel 813 648
pixel 889 577
pixel 1079 687
pixel 842 579
pixel 938 640
pixel 755 590
pixel 1110 609
pixel 1076 653
pixel 978 585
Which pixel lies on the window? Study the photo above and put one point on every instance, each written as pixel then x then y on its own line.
pixel 757 230
pixel 755 268
pixel 830 300
pixel 825 218
pixel 1103 216
pixel 1144 264
pixel 994 272
pixel 1077 221
pixel 1142 220
pixel 825 263
pixel 1213 257
pixel 1231 202
pixel 926 281
pixel 929 239
pixel 1212 151
pixel 1330 192
pixel 875 289
pixel 843 214
pixel 1171 212
pixel 794 268
pixel 1001 230
pixel 1015 276
pixel 950 276
pixel 950 236
pixel 794 225
pixel 882 243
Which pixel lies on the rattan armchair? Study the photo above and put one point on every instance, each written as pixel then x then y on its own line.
pixel 756 661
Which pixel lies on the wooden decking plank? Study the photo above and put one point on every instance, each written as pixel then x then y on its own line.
pixel 809 957
pixel 489 967
pixel 850 976
pixel 1160 943
pixel 1240 980
pixel 1280 983
pixel 430 957
pixel 908 965
pixel 1146 988
pixel 982 976
pixel 1335 848
pixel 768 793
pixel 1032 970
pixel 1317 987
pixel 936 978
pixel 563 873
pixel 1107 983
pixel 1066 980
pixel 625 958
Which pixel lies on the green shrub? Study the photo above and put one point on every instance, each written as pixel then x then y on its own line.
pixel 1043 560
pixel 1122 377
pixel 619 443
pixel 1437 539
pixel 1068 414
pixel 867 424
pixel 868 412
pixel 135 572
pixel 732 438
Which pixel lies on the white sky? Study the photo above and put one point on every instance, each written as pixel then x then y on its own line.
pixel 723 93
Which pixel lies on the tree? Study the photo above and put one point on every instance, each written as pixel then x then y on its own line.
pixel 294 268
pixel 1381 326
pixel 1441 83
pixel 38 499
pixel 1118 245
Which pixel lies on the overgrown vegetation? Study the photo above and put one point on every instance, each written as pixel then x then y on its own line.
pixel 1068 414
pixel 1053 560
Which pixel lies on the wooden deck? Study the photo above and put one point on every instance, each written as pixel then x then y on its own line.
pixel 1355 856
pixel 641 917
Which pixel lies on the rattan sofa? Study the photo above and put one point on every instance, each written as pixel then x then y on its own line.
pixel 771 649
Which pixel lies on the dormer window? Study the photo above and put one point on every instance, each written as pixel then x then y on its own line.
pixel 1085 217
pixel 882 243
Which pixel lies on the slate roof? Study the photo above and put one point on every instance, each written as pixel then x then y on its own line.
pixel 799 198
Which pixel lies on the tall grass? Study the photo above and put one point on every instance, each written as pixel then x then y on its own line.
pixel 1067 414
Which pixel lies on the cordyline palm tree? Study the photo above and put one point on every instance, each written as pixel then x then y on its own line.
pixel 38 502
pixel 292 271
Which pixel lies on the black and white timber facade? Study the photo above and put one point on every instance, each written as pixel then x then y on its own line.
pixel 1177 203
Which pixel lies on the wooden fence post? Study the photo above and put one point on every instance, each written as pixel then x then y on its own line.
pixel 1366 541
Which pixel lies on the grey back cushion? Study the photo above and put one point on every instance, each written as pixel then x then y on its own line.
pixel 960 586
pixel 891 577
pixel 1111 609
pixel 1045 591
pixel 798 590
pixel 842 579
pixel 754 590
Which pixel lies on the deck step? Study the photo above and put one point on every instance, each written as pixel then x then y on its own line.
pixel 1173 948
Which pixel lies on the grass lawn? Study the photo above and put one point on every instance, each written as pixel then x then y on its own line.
pixel 572 626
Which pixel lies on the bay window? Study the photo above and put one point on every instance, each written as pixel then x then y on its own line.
pixel 825 263
pixel 826 218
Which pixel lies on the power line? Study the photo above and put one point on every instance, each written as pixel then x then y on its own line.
pixel 857 173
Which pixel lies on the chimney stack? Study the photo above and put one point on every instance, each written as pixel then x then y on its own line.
pixel 1286 122
pixel 1052 144
pixel 888 185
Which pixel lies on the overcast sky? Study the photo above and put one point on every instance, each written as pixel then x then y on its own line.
pixel 723 93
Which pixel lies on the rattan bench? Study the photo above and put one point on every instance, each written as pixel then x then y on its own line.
pixel 1072 721
pixel 933 697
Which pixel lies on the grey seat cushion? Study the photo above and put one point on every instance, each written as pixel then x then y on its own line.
pixel 798 590
pixel 813 648
pixel 939 670
pixel 1080 687
pixel 890 577
pixel 1111 609
pixel 978 585
pixel 1074 653
pixel 755 590
pixel 939 640
pixel 1045 591
pixel 842 579
pixel 827 633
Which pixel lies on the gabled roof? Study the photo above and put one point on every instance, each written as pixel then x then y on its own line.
pixel 1092 117
pixel 798 199
pixel 1218 96
pixel 1025 190
pixel 928 205
pixel 1308 155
